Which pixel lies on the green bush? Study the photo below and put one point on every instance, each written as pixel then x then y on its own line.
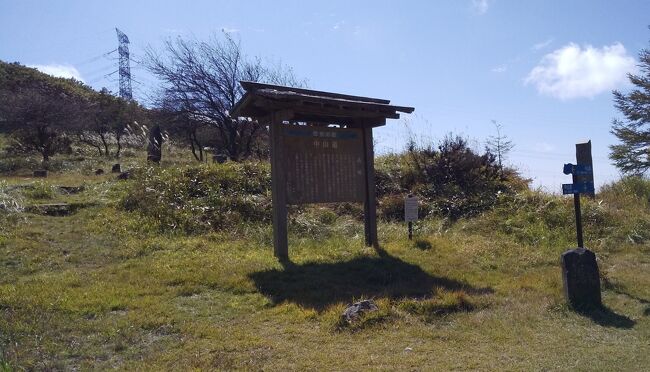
pixel 11 164
pixel 9 203
pixel 201 197
pixel 39 190
pixel 629 192
pixel 10 206
pixel 452 180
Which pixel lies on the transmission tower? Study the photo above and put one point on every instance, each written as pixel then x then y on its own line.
pixel 125 68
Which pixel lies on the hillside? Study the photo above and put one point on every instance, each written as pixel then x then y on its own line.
pixel 15 75
pixel 127 281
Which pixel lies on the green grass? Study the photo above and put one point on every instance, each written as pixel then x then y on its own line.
pixel 105 288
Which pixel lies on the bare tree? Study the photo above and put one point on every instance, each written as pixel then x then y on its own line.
pixel 201 86
pixel 107 120
pixel 39 116
pixel 499 145
pixel 183 125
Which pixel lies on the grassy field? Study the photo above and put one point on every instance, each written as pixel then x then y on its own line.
pixel 103 287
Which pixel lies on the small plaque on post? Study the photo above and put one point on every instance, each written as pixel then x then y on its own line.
pixel 410 208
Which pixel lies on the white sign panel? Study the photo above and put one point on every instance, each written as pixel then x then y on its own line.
pixel 410 209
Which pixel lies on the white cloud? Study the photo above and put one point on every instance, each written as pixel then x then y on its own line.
pixel 500 69
pixel 574 72
pixel 64 71
pixel 480 6
pixel 229 30
pixel 338 25
pixel 542 45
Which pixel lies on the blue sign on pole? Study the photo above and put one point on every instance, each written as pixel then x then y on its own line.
pixel 577 188
pixel 583 170
pixel 578 170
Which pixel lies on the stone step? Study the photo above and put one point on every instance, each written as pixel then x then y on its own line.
pixel 56 209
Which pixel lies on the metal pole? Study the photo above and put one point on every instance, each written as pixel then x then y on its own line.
pixel 576 204
pixel 410 230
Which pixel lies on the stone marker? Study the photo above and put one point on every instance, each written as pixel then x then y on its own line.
pixel 154 147
pixel 581 279
pixel 40 173
pixel 357 309
pixel 116 168
pixel 99 171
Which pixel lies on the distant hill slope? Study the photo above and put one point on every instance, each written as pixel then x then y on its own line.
pixel 14 76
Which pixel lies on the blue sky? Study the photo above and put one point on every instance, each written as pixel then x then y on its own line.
pixel 543 69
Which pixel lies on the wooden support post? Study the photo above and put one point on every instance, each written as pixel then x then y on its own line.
pixel 278 188
pixel 370 202
pixel 576 205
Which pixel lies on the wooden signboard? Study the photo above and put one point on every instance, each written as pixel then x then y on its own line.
pixel 311 161
pixel 323 165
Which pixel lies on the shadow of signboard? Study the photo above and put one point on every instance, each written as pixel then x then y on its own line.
pixel 319 285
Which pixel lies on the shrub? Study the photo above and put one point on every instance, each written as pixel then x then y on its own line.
pixel 629 192
pixel 391 208
pixel 203 197
pixel 451 179
pixel 8 202
pixel 10 207
pixel 39 190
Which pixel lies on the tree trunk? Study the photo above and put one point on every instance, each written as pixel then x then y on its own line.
pixel 198 144
pixel 106 151
pixel 118 139
pixel 191 136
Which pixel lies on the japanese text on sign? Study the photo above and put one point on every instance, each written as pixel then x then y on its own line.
pixel 323 165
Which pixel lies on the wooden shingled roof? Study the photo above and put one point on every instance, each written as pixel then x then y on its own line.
pixel 260 100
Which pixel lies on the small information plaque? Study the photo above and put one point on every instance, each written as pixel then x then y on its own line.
pixel 410 209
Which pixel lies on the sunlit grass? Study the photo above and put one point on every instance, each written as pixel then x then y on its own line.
pixel 106 288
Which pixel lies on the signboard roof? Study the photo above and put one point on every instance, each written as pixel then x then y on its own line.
pixel 311 105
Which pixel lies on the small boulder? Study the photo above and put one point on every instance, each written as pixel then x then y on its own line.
pixel 99 171
pixel 154 146
pixel 357 309
pixel 116 168
pixel 124 176
pixel 40 173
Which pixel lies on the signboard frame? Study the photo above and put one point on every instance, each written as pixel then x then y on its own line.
pixel 279 188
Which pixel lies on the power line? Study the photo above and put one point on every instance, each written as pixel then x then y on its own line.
pixel 95 58
pixel 100 71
